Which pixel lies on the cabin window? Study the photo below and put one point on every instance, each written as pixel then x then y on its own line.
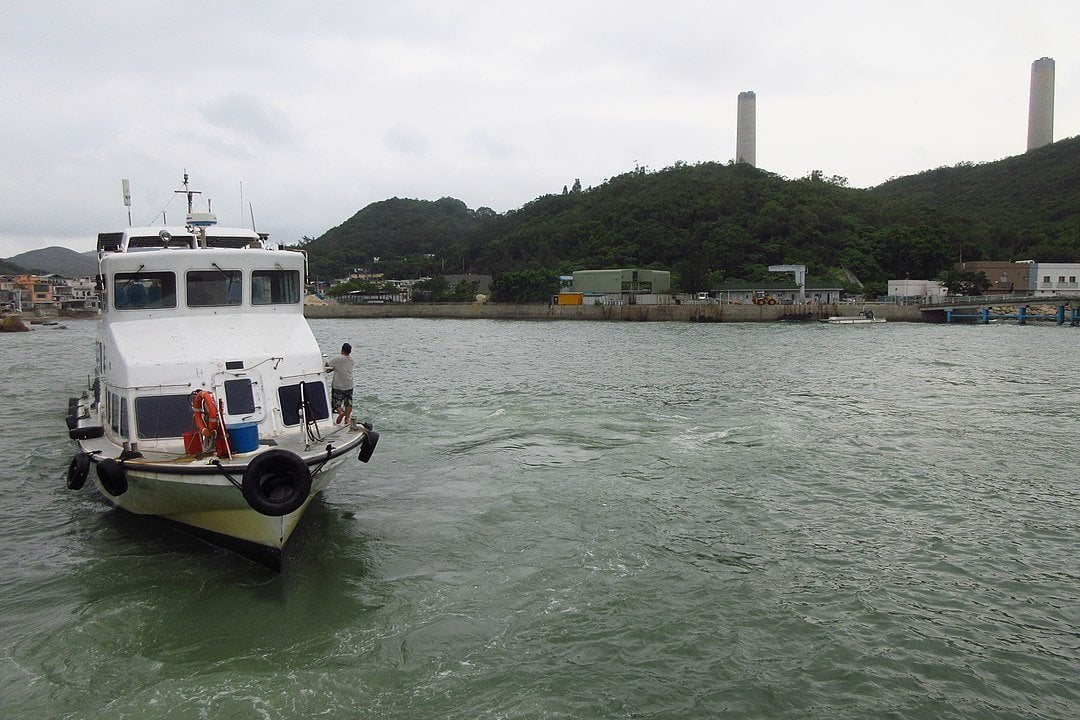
pixel 144 290
pixel 118 414
pixel 275 287
pixel 314 394
pixel 239 398
pixel 227 241
pixel 155 241
pixel 163 416
pixel 213 288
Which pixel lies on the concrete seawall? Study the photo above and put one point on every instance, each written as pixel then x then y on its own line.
pixel 623 313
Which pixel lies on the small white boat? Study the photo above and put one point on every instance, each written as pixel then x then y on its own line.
pixel 866 317
pixel 209 406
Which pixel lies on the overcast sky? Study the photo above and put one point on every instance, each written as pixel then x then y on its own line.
pixel 319 108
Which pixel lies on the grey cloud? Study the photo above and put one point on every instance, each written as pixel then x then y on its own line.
pixel 249 116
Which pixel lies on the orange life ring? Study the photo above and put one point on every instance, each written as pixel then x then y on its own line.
pixel 204 413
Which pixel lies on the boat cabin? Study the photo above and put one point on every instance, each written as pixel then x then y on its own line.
pixel 191 308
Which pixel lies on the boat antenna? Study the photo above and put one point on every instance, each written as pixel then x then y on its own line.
pixel 126 187
pixel 187 191
pixel 252 211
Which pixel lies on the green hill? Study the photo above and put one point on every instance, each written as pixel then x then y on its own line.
pixel 58 260
pixel 10 268
pixel 1022 207
pixel 708 221
pixel 393 230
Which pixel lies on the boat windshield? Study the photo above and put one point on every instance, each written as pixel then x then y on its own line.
pixel 211 288
pixel 144 290
pixel 156 241
pixel 275 287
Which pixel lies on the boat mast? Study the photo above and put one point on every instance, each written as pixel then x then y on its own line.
pixel 189 192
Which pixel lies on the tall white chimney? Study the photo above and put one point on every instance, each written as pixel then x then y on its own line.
pixel 1041 105
pixel 746 129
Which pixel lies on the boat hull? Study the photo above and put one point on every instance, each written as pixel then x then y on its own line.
pixel 204 496
pixel 855 321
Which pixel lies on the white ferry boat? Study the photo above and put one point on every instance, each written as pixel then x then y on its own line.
pixel 209 405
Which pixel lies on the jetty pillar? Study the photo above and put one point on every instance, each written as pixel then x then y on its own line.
pixel 985 314
pixel 1021 315
pixel 1061 315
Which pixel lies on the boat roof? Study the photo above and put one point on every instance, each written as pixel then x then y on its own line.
pixel 150 351
pixel 172 237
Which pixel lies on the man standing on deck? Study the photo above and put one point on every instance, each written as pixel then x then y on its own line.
pixel 342 386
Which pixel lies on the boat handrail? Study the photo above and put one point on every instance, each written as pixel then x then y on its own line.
pixel 302 375
pixel 148 387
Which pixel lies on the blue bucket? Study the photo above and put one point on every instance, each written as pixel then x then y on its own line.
pixel 244 437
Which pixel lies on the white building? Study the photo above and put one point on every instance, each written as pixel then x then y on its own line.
pixel 922 289
pixel 1055 278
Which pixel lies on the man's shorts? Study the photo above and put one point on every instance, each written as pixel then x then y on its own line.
pixel 340 398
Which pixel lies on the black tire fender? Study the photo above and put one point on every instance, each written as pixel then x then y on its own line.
pixel 78 469
pixel 86 433
pixel 112 477
pixel 367 445
pixel 276 482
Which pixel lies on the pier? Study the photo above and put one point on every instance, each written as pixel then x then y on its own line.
pixel 980 309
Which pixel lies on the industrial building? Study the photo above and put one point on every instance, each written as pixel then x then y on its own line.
pixel 742 292
pixel 1041 104
pixel 627 283
pixel 746 129
pixel 1004 276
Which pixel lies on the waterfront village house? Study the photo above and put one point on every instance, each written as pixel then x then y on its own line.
pixel 37 292
pixel 743 292
pixel 1005 277
pixel 1055 278
pixel 52 293
pixel 79 294
pixel 625 285
pixel 10 296
pixel 921 290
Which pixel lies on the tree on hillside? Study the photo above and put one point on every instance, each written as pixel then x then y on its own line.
pixel 525 286
pixel 964 282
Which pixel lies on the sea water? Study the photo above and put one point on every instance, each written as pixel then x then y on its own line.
pixel 577 520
